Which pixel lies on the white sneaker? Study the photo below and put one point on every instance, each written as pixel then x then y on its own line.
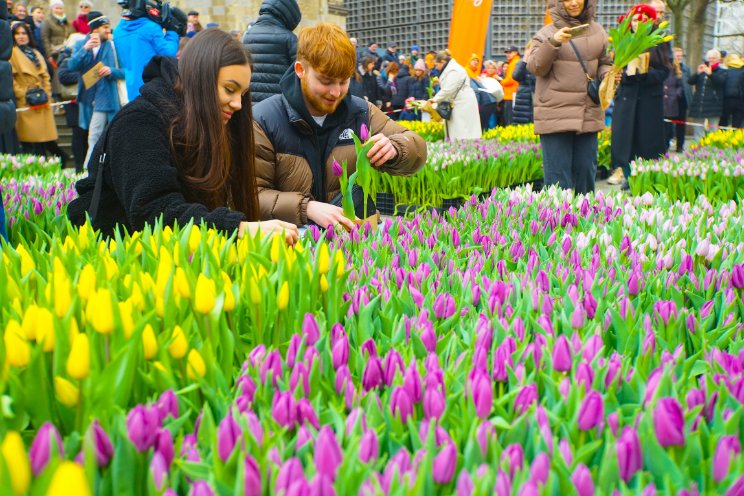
pixel 617 177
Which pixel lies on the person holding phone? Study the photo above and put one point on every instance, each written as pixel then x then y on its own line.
pixel 707 101
pixel 182 150
pixel 566 118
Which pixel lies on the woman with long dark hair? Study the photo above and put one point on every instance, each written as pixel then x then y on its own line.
pixel 183 150
pixel 36 129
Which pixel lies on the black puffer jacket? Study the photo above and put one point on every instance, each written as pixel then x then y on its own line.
pixel 734 83
pixel 404 87
pixel 708 98
pixel 273 45
pixel 365 85
pixel 523 108
pixel 140 180
pixel 7 102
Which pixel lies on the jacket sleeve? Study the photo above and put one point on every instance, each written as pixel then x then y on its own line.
pixel 718 76
pixel 693 80
pixel 164 45
pixel 46 37
pixel 46 81
pixel 509 81
pixel 410 146
pixel 449 87
pixel 19 89
pixel 289 206
pixel 145 181
pixel 605 60
pixel 543 54
pixel 519 71
pixel 80 57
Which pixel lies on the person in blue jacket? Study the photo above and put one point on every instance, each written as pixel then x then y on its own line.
pixel 139 37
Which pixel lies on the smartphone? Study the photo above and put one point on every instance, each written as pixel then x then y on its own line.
pixel 579 30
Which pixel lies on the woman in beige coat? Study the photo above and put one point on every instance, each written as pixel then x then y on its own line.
pixel 454 87
pixel 566 118
pixel 36 129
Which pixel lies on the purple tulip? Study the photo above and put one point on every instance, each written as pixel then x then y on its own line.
pixel 400 404
pixel 295 342
pixel 412 383
pixel 252 477
pixel 526 396
pixel 582 481
pixel 503 484
pixel 482 394
pixel 336 168
pixel 164 446
pixel 101 443
pixel 465 486
pixel 540 469
pixel 737 276
pixel 629 455
pixel 501 359
pixel 159 470
pixel 168 405
pixel 310 329
pixel 612 420
pixel 289 473
pixel 306 413
pixel 328 455
pixel 566 452
pixel 444 306
pixel 300 375
pixel 577 317
pixel 727 448
pixel 669 422
pixel 272 363
pixel 515 454
pixel 393 363
pixel 444 464
pixel 433 402
pixel 585 375
pixel 201 488
pixel 342 377
pixel 41 448
pixel 737 489
pixel 485 431
pixel 228 433
pixel 143 425
pixel 562 360
pixel 591 412
pixel 356 416
pixel 373 376
pixel 369 447
pixel 340 352
pixel 321 485
pixel 284 409
pixel 363 132
pixel 529 488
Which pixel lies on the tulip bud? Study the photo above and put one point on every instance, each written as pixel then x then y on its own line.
pixel 282 298
pixel 591 412
pixel 179 345
pixel 205 295
pixel 17 350
pixel 284 409
pixel 363 132
pixel 306 413
pixel 465 486
pixel 727 449
pixel 66 392
pixel 340 352
pixel 17 462
pixel 444 464
pixel 582 481
pixel 515 454
pixel 101 444
pixel 412 383
pixel 289 473
pixel 503 484
pixel 669 422
pixel 373 376
pixel 149 342
pixel 540 469
pixel 566 452
pixel 78 361
pixel 562 360
pixel 336 168
pixel 228 434
pixel 201 488
pixel 143 425
pixel 159 471
pixel 69 478
pixel 737 276
pixel 433 402
pixel 196 367
pixel 328 455
pixel 482 394
pixel 400 404
pixel 324 259
pixel 310 329
pixel 629 455
pixel 444 306
pixel 524 399
pixel 369 447
pixel 252 477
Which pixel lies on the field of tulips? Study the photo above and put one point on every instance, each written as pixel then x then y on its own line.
pixel 726 139
pixel 532 343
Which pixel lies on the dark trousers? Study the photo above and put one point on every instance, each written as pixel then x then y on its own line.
pixel 570 160
pixel 677 131
pixel 733 113
pixel 508 112
pixel 486 112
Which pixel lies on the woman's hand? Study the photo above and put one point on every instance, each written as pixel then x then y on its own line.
pixel 325 215
pixel 562 35
pixel 272 227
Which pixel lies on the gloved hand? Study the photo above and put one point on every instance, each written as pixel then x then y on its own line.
pixel 174 19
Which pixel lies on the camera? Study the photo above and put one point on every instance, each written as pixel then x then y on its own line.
pixel 170 18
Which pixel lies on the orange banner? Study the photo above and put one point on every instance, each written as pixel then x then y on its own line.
pixel 468 29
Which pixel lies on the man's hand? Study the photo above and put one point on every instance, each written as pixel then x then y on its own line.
pixel 93 42
pixel 104 71
pixel 325 215
pixel 382 151
pixel 562 35
pixel 273 227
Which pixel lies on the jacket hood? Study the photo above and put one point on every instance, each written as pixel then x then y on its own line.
pixel 160 76
pixel 131 25
pixel 561 18
pixel 285 11
pixel 404 71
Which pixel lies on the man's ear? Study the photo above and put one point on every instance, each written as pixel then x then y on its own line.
pixel 299 69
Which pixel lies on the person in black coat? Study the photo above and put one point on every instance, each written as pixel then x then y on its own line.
pixel 523 109
pixel 707 103
pixel 273 45
pixel 733 93
pixel 8 140
pixel 638 117
pixel 403 90
pixel 675 107
pixel 364 82
pixel 168 154
pixel 68 77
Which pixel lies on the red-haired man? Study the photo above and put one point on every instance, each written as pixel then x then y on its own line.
pixel 299 134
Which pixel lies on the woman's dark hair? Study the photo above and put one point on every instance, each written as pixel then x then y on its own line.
pixel 217 161
pixel 18 25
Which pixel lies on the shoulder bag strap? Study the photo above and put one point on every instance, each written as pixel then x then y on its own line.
pixel 95 201
pixel 581 61
pixel 116 55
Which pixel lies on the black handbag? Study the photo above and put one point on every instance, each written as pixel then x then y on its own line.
pixel 444 108
pixel 36 96
pixel 592 85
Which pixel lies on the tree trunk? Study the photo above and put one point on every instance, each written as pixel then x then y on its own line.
pixel 696 31
pixel 677 7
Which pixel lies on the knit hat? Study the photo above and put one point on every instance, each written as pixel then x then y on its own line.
pixel 419 65
pixel 97 19
pixel 414 48
pixel 55 3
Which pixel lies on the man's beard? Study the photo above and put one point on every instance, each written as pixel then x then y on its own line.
pixel 317 103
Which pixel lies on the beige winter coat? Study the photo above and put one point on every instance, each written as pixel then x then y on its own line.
pixel 454 86
pixel 561 101
pixel 32 126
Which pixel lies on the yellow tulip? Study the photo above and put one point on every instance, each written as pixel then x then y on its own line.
pixel 69 478
pixel 100 311
pixel 45 329
pixel 669 38
pixel 69 245
pixel 183 289
pixel 229 304
pixel 62 294
pixel 125 313
pixel 254 291
pixel 194 239
pixel 12 288
pixel 27 263
pixel 167 233
pixel 232 255
pixel 138 301
pixel 340 262
pixel 73 329
pixel 282 299
pixel 159 365
pixel 179 345
pixel 146 282
pixel 663 24
pixel 149 342
pixel 165 267
pixel 205 294
pixel 78 362
pixel 17 352
pixel 16 458
pixel 276 244
pixel 86 282
pixel 29 322
pixel 66 392
pixel 112 269
pixel 323 283
pixel 83 239
pixel 324 259
pixel 196 367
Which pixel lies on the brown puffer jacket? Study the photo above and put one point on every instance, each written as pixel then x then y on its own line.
pixel 285 140
pixel 561 101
